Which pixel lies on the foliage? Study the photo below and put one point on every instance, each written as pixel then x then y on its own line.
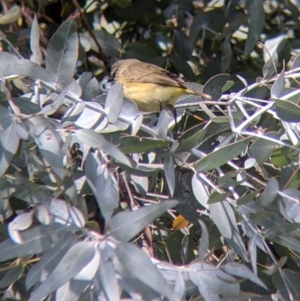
pixel 211 216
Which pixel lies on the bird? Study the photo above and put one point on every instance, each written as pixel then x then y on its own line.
pixel 151 87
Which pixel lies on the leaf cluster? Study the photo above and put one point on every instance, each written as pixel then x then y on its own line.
pixel 100 202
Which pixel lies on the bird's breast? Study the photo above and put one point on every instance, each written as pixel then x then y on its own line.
pixel 151 97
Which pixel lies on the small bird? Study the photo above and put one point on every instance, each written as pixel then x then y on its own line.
pixel 152 88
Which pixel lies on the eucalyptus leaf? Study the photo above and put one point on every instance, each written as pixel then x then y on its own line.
pixel 200 190
pixel 97 141
pixel 48 141
pixel 221 156
pixel 84 253
pixel 91 89
pixel 108 277
pixel 137 263
pixel 261 149
pixel 215 85
pixel 62 51
pixel 224 219
pixel 11 276
pixel 240 270
pixel 125 225
pixel 49 260
pixel 12 15
pixel 287 110
pixel 277 88
pixel 204 242
pixel 182 44
pixel 256 24
pixel 169 172
pixel 9 143
pixel 107 192
pixel 11 65
pixel 113 103
pixel 34 241
pixel 270 193
pixel 182 67
pixel 109 43
pixel 35 42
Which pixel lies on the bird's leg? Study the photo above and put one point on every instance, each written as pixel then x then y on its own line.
pixel 173 109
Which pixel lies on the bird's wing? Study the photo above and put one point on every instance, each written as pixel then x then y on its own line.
pixel 152 74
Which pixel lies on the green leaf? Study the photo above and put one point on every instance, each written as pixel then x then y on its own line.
pixel 200 190
pixel 286 241
pixel 221 156
pixel 62 52
pixel 216 197
pixel 215 85
pixel 95 140
pixel 226 55
pixel 252 250
pixel 125 225
pixel 229 179
pixel 233 26
pixel 269 68
pixel 35 240
pixel 182 45
pixel 191 138
pixel 256 24
pixel 9 64
pixel 35 42
pixel 132 145
pixel 11 16
pixel 284 156
pixel 53 107
pixel 107 194
pixel 140 52
pixel 282 229
pixel 199 23
pixel 242 271
pixel 91 90
pixel 136 263
pixel 290 283
pixel 270 193
pixel 49 260
pixel 49 143
pixel 113 103
pixel 287 111
pixel 278 86
pixel 182 67
pixel 262 149
pixel 169 172
pixel 204 241
pixel 108 278
pixel 246 198
pixel 296 62
pixel 108 42
pixel 223 216
pixel 84 252
pixel 213 282
pixel 11 276
pixel 9 143
pixel 294 181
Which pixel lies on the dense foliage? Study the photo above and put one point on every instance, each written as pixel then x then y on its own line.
pixel 100 201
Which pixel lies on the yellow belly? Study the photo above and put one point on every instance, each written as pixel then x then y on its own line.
pixel 152 97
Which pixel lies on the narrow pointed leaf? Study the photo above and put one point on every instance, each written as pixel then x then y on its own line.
pixel 62 52
pixel 95 140
pixel 84 253
pixel 125 225
pixel 221 156
pixel 138 264
pixel 223 216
